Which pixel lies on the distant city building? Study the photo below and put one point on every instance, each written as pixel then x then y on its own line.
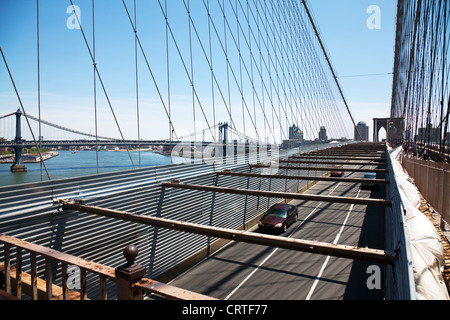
pixel 295 133
pixel 323 134
pixel 295 138
pixel 428 134
pixel 363 130
pixel 3 150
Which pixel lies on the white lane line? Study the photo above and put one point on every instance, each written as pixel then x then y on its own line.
pixel 322 269
pixel 275 250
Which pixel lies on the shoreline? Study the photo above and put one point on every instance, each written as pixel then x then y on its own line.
pixel 29 157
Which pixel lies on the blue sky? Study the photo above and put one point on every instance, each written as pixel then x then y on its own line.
pixel 67 73
pixel 357 50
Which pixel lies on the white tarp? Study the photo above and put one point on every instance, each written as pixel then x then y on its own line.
pixel 427 253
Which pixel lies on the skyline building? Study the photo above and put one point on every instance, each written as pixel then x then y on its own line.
pixel 323 134
pixel 295 133
pixel 364 131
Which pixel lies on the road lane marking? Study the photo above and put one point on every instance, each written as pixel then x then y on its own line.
pixel 336 240
pixel 276 249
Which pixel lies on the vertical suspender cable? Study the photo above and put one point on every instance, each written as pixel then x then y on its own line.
pixel 411 56
pixel 95 85
pixel 148 66
pixel 137 83
pixel 168 74
pixel 211 64
pixel 226 57
pixel 240 66
pixel 251 78
pixel 445 116
pixel 24 112
pixel 444 57
pixel 103 86
pixel 331 67
pixel 192 72
pixel 39 84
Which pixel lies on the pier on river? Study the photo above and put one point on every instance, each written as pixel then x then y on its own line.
pixel 29 157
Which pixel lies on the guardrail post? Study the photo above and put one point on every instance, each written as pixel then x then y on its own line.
pixel 128 274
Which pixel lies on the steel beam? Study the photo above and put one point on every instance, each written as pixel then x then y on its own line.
pixel 354 151
pixel 346 154
pixel 319 168
pixel 281 195
pixel 336 250
pixel 333 162
pixel 290 177
pixel 169 292
pixel 339 157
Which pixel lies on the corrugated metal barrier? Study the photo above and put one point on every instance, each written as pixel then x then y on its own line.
pixel 28 212
pixel 399 278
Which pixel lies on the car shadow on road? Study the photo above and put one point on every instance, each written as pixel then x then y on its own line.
pixel 366 281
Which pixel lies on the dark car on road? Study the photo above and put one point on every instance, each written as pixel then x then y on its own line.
pixel 278 218
pixel 369 185
pixel 337 171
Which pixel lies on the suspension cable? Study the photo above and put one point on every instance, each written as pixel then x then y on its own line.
pixel 331 67
pixel 103 86
pixel 95 87
pixel 24 113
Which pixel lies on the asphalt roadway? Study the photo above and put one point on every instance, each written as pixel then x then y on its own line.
pixel 242 271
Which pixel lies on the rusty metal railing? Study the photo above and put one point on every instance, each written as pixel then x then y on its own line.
pixel 15 279
pixel 433 181
pixel 128 278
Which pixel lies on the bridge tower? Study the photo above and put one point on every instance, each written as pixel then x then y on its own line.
pixel 18 165
pixel 223 138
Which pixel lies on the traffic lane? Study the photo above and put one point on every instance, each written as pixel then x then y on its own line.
pixel 223 267
pixel 282 277
pixel 295 277
pixel 226 274
pixel 364 228
pixel 347 279
pixel 286 275
pixel 373 236
pixel 291 275
pixel 218 275
pixel 321 220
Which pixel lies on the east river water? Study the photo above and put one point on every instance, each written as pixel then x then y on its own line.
pixel 82 163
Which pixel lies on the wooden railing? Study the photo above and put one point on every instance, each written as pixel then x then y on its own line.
pixel 128 278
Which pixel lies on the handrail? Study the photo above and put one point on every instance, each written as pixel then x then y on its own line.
pixel 66 260
pixel 128 278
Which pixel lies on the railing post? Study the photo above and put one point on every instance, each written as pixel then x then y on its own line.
pixel 128 274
